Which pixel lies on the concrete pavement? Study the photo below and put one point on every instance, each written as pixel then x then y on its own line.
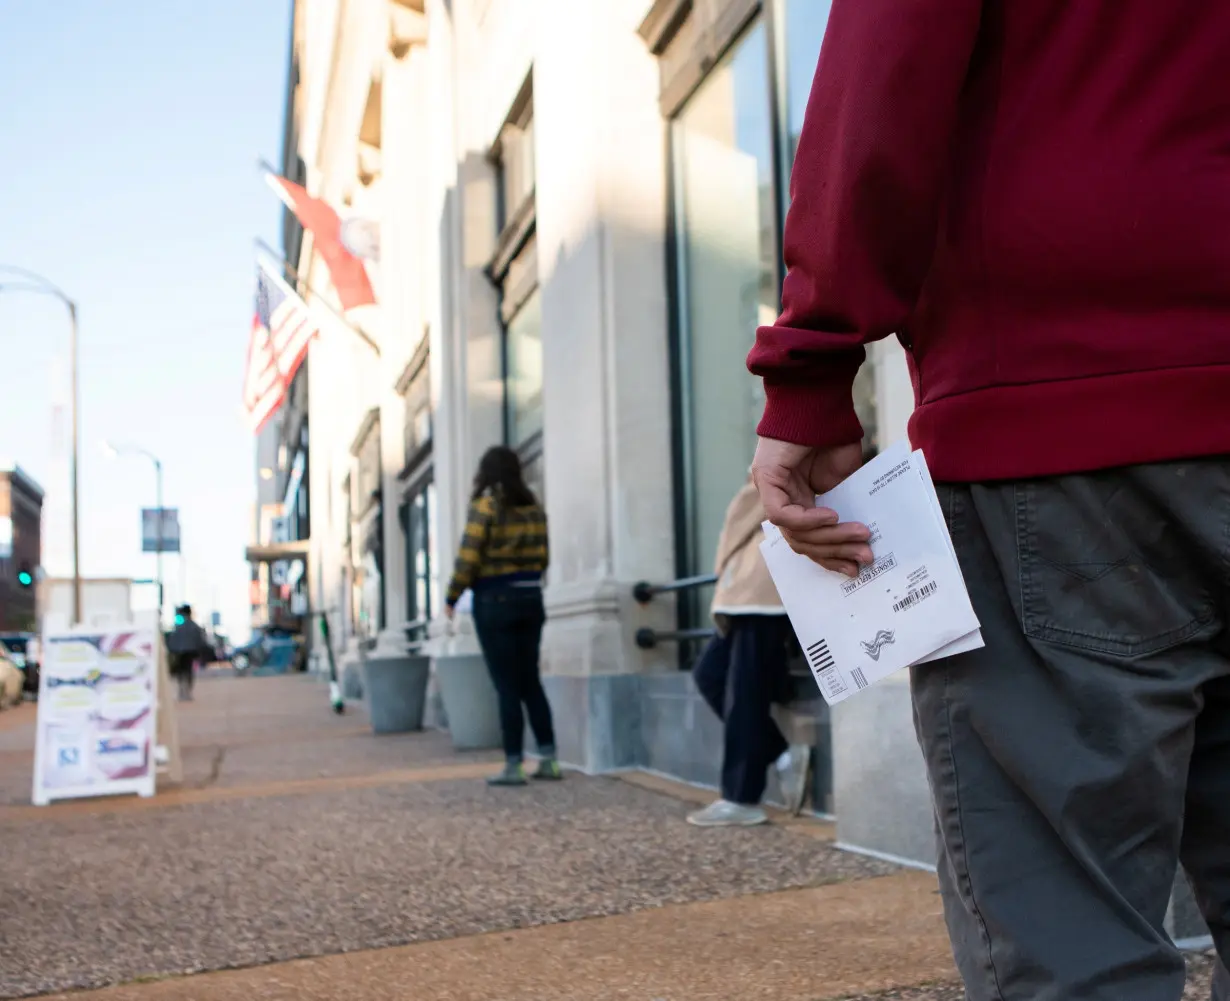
pixel 305 858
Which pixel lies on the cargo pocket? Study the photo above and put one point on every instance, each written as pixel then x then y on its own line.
pixel 1103 568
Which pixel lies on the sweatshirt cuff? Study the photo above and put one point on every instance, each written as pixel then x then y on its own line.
pixel 818 412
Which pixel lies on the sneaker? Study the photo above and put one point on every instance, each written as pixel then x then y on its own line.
pixel 793 768
pixel 512 775
pixel 727 814
pixel 548 770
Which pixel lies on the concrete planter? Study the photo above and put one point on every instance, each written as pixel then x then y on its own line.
pixel 351 678
pixel 470 703
pixel 435 718
pixel 396 691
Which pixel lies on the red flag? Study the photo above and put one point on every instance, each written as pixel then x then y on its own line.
pixel 349 275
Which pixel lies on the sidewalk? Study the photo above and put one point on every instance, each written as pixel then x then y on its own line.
pixel 307 859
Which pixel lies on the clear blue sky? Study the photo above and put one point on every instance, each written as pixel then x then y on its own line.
pixel 129 135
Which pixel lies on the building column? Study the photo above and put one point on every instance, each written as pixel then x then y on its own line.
pixel 403 138
pixel 466 337
pixel 601 229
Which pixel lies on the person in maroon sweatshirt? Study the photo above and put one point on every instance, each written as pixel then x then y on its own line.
pixel 1033 196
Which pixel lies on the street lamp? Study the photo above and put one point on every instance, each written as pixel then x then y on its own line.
pixel 115 451
pixel 28 281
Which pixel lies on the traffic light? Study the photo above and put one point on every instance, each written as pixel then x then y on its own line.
pixel 179 618
pixel 25 576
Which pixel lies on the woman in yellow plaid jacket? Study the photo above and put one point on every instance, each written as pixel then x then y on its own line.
pixel 502 559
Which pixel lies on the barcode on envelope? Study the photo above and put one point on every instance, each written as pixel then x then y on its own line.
pixel 914 597
pixel 860 679
pixel 819 657
pixel 825 668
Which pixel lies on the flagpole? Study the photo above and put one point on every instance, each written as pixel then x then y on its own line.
pixel 289 269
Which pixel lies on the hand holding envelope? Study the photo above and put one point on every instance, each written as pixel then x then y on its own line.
pixel 908 606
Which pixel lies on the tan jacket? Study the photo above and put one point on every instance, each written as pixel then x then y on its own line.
pixel 744 586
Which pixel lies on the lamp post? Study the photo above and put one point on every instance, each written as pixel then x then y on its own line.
pixel 29 281
pixel 115 451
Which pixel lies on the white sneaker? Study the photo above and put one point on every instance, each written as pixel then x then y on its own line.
pixel 792 771
pixel 727 814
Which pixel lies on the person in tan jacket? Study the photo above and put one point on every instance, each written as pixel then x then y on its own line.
pixel 744 670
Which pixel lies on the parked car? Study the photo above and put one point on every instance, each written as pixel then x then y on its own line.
pixel 23 651
pixel 270 651
pixel 222 650
pixel 12 678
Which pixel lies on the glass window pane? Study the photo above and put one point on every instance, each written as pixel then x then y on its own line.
pixel 805 24
pixel 516 167
pixel 422 601
pixel 806 21
pixel 728 258
pixel 531 467
pixel 434 597
pixel 524 372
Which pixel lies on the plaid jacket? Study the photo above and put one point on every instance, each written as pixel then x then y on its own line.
pixel 499 542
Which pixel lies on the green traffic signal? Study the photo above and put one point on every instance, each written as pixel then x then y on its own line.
pixel 25 578
pixel 179 620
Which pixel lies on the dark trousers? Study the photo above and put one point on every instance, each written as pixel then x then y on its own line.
pixel 739 675
pixel 183 670
pixel 1086 750
pixel 509 623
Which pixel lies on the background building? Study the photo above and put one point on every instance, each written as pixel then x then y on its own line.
pixel 580 211
pixel 21 514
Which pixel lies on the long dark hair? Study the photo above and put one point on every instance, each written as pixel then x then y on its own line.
pixel 499 472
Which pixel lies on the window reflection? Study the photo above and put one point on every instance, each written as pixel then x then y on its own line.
pixel 728 243
pixel 531 467
pixel 524 372
pixel 419 521
pixel 805 24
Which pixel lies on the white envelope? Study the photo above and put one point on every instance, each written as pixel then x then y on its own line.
pixel 908 606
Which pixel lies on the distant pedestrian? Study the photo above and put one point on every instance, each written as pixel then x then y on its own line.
pixel 1034 197
pixel 744 670
pixel 187 644
pixel 502 559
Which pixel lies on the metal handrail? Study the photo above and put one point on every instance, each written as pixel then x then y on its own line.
pixel 647 638
pixel 644 592
pixel 416 635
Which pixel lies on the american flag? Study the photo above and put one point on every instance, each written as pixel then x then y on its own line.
pixel 282 329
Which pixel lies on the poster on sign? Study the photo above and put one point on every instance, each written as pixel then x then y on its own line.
pixel 97 709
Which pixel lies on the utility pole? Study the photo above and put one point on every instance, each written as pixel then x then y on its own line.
pixel 76 487
pixel 29 281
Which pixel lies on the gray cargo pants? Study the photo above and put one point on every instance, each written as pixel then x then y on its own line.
pixel 1086 749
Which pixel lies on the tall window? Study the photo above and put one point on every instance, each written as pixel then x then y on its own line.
pixel 523 371
pixel 727 241
pixel 417 430
pixel 418 507
pixel 802 31
pixel 516 163
pixel 419 521
pixel 366 503
pixel 515 268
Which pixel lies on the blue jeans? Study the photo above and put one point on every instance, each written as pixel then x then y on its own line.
pixel 509 623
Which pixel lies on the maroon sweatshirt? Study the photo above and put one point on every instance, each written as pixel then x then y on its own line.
pixel 1034 196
